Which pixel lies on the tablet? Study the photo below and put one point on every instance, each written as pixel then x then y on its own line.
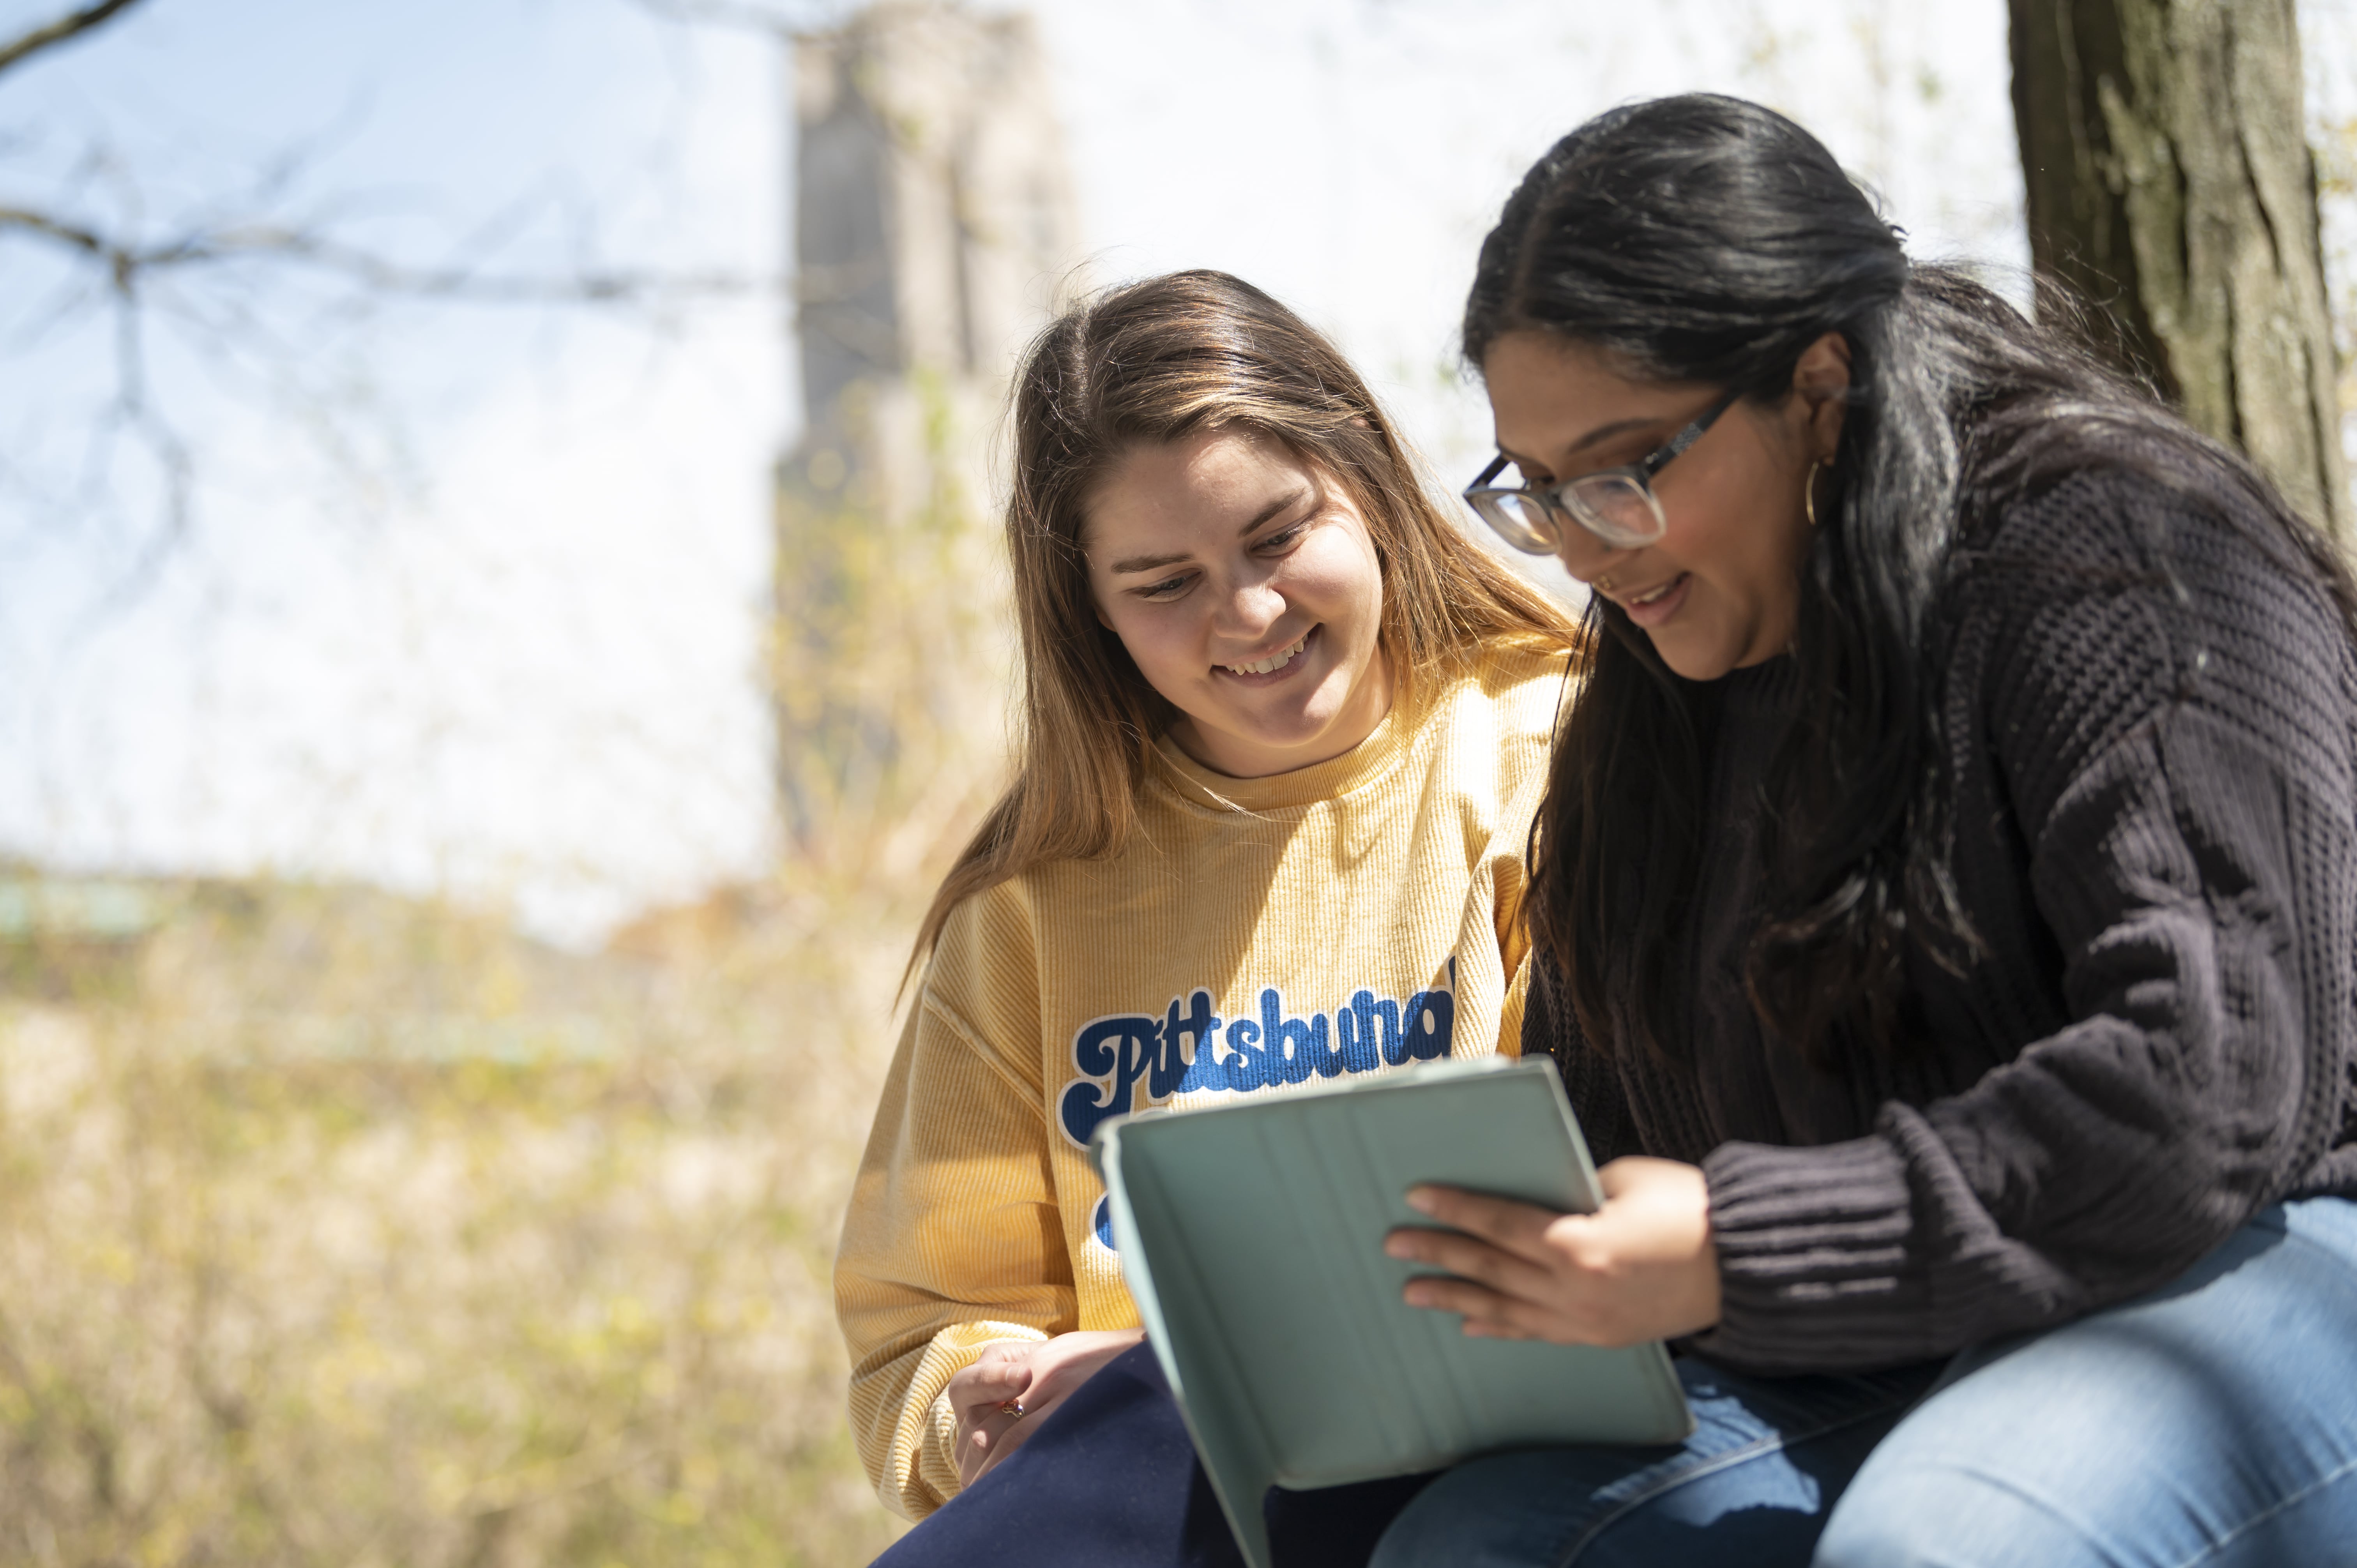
pixel 1250 1237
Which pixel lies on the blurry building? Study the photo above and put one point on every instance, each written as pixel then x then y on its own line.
pixel 935 231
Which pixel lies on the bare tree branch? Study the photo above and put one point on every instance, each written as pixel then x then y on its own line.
pixel 251 282
pixel 70 235
pixel 126 262
pixel 65 29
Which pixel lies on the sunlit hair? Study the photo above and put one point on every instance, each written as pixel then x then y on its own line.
pixel 1159 361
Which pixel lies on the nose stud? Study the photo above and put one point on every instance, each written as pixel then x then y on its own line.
pixel 1604 584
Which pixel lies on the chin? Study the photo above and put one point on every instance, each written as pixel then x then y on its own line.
pixel 1296 731
pixel 1689 662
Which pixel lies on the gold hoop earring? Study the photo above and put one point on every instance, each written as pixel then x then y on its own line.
pixel 1809 492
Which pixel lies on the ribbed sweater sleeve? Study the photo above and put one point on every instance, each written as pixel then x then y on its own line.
pixel 2162 702
pixel 953 1240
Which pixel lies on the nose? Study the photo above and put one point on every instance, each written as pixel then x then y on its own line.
pixel 1589 559
pixel 1246 614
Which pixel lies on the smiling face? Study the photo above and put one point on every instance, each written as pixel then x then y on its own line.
pixel 1243 582
pixel 1720 589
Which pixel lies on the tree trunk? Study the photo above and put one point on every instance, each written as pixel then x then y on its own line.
pixel 2165 154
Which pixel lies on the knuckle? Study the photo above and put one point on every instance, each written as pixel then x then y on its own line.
pixel 1585 1252
pixel 1443 1249
pixel 1457 1257
pixel 1482 1266
pixel 1455 1295
pixel 1434 1290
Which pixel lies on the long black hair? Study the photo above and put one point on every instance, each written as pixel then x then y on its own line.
pixel 1707 239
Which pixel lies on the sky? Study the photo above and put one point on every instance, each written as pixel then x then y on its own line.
pixel 471 598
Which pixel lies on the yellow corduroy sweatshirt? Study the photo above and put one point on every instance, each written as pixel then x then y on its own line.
pixel 1354 917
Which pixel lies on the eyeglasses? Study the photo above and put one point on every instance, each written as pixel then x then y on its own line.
pixel 1617 505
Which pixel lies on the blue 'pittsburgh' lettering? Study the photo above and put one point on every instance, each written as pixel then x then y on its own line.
pixel 1191 1048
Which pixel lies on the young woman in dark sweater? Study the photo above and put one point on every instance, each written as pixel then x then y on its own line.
pixel 1945 908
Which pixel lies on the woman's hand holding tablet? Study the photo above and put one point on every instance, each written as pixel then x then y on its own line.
pixel 1640 1268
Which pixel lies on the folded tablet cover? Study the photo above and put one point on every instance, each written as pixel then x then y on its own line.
pixel 1250 1237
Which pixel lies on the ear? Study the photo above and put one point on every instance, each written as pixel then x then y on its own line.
pixel 1820 383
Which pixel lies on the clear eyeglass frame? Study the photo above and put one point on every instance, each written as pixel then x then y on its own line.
pixel 1616 506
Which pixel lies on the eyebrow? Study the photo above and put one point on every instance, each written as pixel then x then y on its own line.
pixel 1156 563
pixel 1601 432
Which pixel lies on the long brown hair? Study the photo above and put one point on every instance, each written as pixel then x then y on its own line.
pixel 1153 363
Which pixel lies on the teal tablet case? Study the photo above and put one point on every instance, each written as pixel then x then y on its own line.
pixel 1251 1236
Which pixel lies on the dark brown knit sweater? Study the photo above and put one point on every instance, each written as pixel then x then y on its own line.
pixel 2155 806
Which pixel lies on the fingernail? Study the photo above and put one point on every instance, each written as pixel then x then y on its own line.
pixel 1420 1200
pixel 1396 1246
pixel 1418 1296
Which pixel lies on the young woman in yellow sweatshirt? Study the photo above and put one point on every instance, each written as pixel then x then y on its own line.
pixel 1284 735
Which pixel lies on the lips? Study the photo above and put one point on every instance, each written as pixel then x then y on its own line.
pixel 1656 604
pixel 1273 662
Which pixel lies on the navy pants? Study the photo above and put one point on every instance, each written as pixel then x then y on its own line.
pixel 1110 1481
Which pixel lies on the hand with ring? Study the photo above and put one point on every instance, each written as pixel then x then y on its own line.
pixel 1001 1398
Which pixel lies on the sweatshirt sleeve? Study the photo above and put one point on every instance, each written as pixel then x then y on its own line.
pixel 952 1239
pixel 2173 744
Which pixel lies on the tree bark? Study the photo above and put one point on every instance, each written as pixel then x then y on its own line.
pixel 2165 157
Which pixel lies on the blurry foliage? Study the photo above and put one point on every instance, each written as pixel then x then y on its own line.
pixel 891 653
pixel 338 1228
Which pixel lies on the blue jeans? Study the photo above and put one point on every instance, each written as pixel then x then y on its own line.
pixel 2209 1423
